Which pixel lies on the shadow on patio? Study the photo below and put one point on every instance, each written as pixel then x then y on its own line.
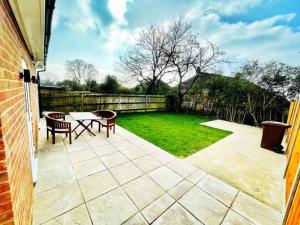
pixel 125 179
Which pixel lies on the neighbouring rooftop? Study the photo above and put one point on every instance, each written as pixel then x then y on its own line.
pixel 125 179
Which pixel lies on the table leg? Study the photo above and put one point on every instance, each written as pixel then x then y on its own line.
pixel 86 127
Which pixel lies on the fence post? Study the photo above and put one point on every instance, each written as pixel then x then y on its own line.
pixel 119 103
pixel 81 101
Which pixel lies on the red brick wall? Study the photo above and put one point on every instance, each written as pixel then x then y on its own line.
pixel 16 188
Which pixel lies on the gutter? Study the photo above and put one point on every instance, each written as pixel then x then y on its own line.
pixel 49 7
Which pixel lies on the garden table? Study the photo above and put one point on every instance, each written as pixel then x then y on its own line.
pixel 80 117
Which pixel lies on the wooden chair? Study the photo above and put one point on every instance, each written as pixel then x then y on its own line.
pixel 107 119
pixel 55 124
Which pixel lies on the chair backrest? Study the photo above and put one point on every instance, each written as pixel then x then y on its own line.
pixel 54 120
pixel 109 115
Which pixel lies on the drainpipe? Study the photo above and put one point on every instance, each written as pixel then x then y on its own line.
pixel 39 90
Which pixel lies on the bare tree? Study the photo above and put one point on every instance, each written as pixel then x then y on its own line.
pixel 146 60
pixel 81 70
pixel 189 57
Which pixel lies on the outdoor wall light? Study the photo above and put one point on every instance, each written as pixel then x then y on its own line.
pixel 27 76
pixel 34 81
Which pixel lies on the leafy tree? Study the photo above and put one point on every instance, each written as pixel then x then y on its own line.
pixel 110 85
pixel 92 86
pixel 70 85
pixel 48 82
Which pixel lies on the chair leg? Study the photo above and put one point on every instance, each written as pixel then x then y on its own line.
pixel 107 131
pixel 99 128
pixel 47 134
pixel 66 134
pixel 70 138
pixel 114 129
pixel 92 124
pixel 53 138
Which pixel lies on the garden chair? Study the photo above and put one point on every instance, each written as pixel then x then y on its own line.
pixel 107 119
pixel 55 123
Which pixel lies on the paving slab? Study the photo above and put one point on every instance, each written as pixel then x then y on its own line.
pixel 255 211
pixel 177 215
pixel 51 203
pixel 165 177
pixel 143 191
pixel 156 208
pixel 208 210
pixel 88 167
pixel 112 208
pixel 218 189
pixel 97 184
pixel 126 172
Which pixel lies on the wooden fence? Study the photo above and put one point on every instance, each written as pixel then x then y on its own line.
pixel 292 172
pixel 84 102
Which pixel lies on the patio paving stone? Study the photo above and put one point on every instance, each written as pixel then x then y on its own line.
pixel 53 162
pixel 48 152
pixel 105 149
pixel 115 138
pixel 121 145
pixel 78 215
pixel 97 142
pixel 126 172
pixel 163 157
pixel 52 178
pixel 82 155
pixel 77 147
pixel 156 208
pixel 182 168
pixel 97 184
pixel 88 167
pixel 177 215
pixel 113 159
pixel 133 153
pixel 146 163
pixel 149 148
pixel 218 189
pixel 196 176
pixel 137 219
pixel 143 191
pixel 112 208
pixel 233 218
pixel 255 211
pixel 54 202
pixel 180 189
pixel 165 177
pixel 208 210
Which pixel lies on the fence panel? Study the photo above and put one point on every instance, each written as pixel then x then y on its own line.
pixel 292 172
pixel 81 102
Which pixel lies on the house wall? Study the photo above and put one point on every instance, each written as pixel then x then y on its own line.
pixel 16 186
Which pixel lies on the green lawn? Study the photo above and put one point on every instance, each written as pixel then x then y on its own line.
pixel 179 134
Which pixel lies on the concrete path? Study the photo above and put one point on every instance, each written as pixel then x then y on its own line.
pixel 239 161
pixel 124 179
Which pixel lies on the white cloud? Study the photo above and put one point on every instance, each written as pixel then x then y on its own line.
pixel 262 39
pixel 225 7
pixel 118 9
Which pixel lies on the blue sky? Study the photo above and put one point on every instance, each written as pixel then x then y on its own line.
pixel 99 30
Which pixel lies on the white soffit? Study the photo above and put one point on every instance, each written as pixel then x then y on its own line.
pixel 30 15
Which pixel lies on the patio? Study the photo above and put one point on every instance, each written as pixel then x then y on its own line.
pixel 239 161
pixel 127 180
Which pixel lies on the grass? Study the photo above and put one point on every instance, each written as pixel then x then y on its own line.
pixel 179 134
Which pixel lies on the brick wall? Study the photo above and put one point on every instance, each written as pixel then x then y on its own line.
pixel 16 188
